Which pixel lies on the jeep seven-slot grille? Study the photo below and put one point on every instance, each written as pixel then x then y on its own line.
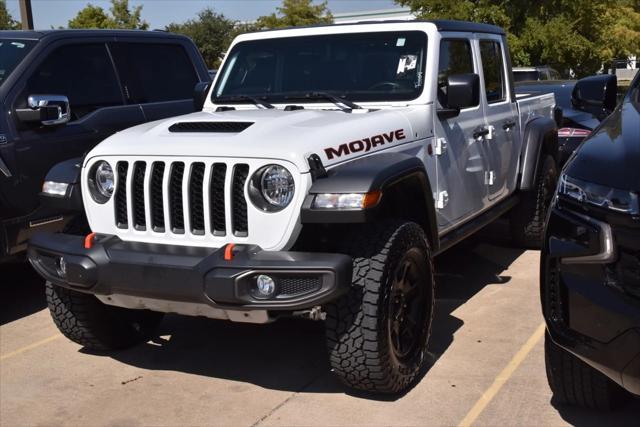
pixel 204 198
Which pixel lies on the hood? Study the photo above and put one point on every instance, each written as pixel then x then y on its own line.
pixel 266 134
pixel 611 155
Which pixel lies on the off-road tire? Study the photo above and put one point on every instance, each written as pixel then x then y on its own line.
pixel 575 383
pixel 85 320
pixel 528 217
pixel 358 325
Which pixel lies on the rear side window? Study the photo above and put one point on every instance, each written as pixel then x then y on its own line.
pixel 154 72
pixel 455 58
pixel 83 73
pixel 493 68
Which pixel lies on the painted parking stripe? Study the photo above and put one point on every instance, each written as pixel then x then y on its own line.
pixel 502 378
pixel 30 347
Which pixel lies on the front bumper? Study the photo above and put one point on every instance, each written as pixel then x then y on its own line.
pixel 590 290
pixel 165 277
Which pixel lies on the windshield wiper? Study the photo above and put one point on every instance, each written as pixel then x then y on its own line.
pixel 339 101
pixel 256 101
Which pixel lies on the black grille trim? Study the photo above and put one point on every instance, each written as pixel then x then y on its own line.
pixel 137 193
pixel 238 201
pixel 156 197
pixel 196 199
pixel 216 199
pixel 176 210
pixel 122 218
pixel 213 127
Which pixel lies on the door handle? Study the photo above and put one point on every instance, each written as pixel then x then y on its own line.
pixel 480 133
pixel 508 125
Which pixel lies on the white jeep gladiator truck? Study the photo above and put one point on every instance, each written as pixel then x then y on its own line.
pixel 327 168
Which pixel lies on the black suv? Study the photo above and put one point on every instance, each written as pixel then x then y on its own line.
pixel 62 92
pixel 590 266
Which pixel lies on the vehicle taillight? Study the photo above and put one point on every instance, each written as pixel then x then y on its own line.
pixel 573 132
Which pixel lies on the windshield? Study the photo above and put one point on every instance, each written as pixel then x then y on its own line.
pixel 385 66
pixel 11 53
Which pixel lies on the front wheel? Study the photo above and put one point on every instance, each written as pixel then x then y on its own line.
pixel 575 383
pixel 377 333
pixel 85 320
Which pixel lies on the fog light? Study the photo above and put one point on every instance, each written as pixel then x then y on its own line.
pixel 61 267
pixel 266 285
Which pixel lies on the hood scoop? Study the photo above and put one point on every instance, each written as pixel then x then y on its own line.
pixel 211 127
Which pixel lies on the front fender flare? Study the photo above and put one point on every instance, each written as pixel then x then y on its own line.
pixel 385 172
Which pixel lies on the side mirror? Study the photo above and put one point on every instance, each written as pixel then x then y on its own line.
pixel 462 91
pixel 596 94
pixel 200 95
pixel 49 110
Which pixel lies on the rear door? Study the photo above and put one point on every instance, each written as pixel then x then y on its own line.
pixel 461 158
pixel 83 72
pixel 158 76
pixel 501 113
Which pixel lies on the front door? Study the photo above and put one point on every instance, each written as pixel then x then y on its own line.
pixel 461 157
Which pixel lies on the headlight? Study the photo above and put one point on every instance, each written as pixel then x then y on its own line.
pixel 272 188
pixel 623 201
pixel 101 182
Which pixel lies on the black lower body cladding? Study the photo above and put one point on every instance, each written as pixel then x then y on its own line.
pixel 190 274
pixel 591 301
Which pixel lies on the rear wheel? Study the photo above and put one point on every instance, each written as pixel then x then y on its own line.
pixel 528 217
pixel 573 382
pixel 85 320
pixel 377 334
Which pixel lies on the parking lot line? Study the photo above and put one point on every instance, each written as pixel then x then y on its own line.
pixel 502 378
pixel 30 346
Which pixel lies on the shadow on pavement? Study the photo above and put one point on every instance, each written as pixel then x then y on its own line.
pixel 290 354
pixel 22 292
pixel 628 415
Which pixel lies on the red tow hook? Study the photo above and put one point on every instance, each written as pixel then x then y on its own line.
pixel 88 241
pixel 228 252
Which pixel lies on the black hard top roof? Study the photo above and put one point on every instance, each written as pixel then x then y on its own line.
pixel 56 34
pixel 441 25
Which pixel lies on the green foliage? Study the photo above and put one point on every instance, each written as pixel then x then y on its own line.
pixel 120 17
pixel 295 13
pixel 211 32
pixel 6 20
pixel 567 34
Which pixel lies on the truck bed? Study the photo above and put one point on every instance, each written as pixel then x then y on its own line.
pixel 531 106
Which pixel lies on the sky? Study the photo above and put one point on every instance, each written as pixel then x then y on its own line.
pixel 159 13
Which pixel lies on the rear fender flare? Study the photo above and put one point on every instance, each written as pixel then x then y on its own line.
pixel 540 136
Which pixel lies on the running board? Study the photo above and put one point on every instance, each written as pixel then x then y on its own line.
pixel 475 224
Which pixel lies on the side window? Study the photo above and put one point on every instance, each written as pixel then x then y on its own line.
pixel 455 58
pixel 154 72
pixel 83 73
pixel 493 67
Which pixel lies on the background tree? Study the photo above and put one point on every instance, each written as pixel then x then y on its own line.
pixel 581 35
pixel 212 32
pixel 294 13
pixel 6 20
pixel 120 17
